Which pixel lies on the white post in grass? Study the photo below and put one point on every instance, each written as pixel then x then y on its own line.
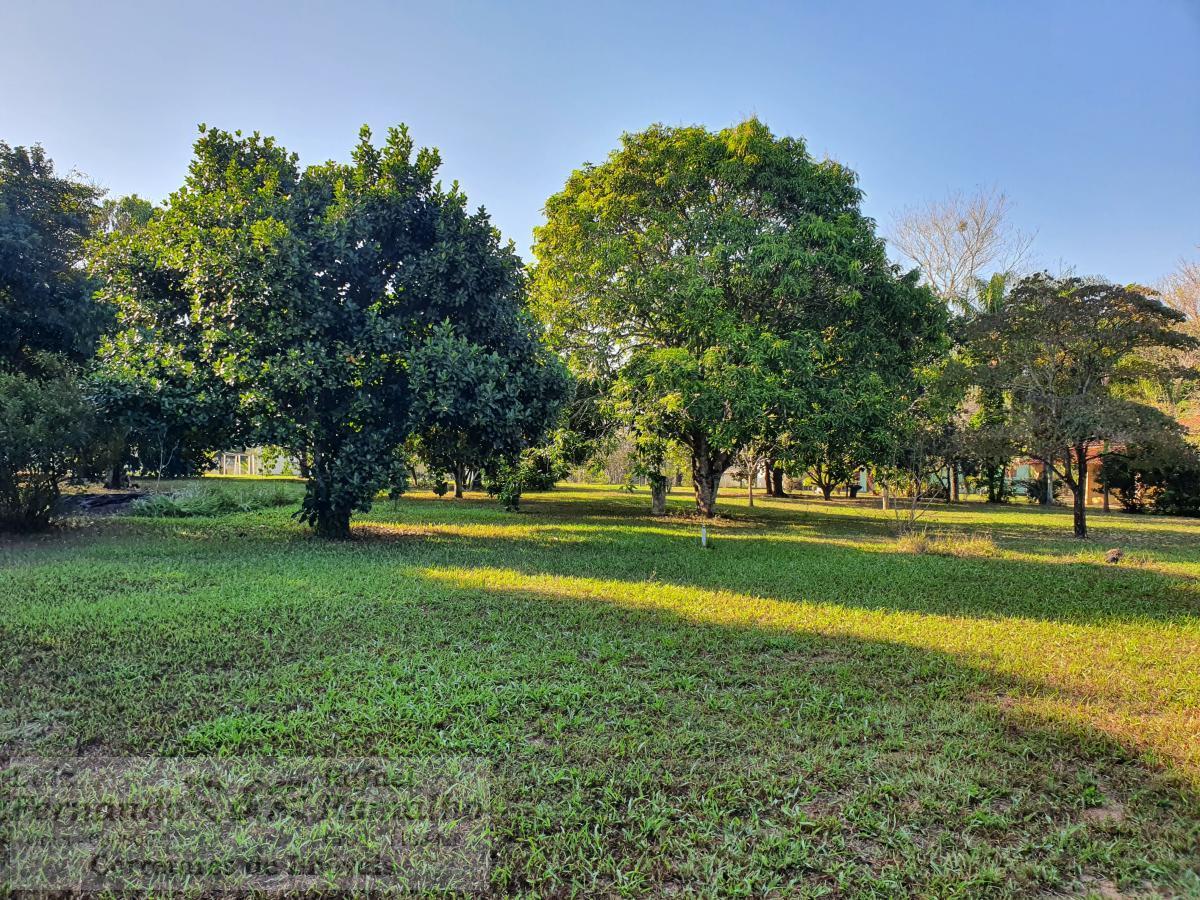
pixel 704 536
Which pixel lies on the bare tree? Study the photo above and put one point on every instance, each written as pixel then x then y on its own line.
pixel 959 241
pixel 1181 290
pixel 1178 393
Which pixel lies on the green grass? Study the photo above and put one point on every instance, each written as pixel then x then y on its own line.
pixel 809 708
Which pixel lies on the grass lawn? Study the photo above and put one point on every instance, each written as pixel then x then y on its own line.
pixel 806 709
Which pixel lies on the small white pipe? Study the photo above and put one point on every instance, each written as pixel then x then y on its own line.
pixel 703 535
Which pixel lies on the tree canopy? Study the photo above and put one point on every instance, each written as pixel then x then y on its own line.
pixel 345 306
pixel 1059 347
pixel 722 282
pixel 46 303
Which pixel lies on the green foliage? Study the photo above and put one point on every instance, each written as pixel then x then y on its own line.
pixel 45 435
pixel 207 501
pixel 718 284
pixel 46 304
pixel 1163 478
pixel 344 308
pixel 1059 346
pixel 477 402
pixel 507 478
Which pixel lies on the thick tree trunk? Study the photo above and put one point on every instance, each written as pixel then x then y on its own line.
pixel 1047 483
pixel 117 478
pixel 707 468
pixel 659 485
pixel 458 481
pixel 777 481
pixel 333 524
pixel 330 521
pixel 826 489
pixel 954 481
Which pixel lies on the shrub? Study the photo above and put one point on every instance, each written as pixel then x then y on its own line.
pixel 45 431
pixel 205 501
pixel 1161 480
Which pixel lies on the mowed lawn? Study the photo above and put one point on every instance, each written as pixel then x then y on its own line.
pixel 808 708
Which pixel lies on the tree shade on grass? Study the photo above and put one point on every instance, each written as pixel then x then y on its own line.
pixel 810 707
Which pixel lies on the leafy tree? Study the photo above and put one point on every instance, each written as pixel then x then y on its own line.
pixel 45 435
pixel 49 323
pixel 325 301
pixel 161 408
pixel 477 403
pixel 851 424
pixel 46 302
pixel 989 441
pixel 1060 344
pixel 158 415
pixel 715 280
pixel 125 214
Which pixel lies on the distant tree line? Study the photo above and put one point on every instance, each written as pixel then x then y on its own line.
pixel 712 301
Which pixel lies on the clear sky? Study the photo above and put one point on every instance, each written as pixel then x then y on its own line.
pixel 1086 112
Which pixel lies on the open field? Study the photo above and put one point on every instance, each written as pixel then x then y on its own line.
pixel 809 708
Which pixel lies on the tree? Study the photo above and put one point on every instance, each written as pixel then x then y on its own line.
pixel 46 303
pixel 477 403
pixel 956 240
pixel 1169 379
pixel 850 425
pixel 1059 345
pixel 161 412
pixel 45 435
pixel 49 323
pixel 326 300
pixel 715 280
pixel 988 440
pixel 124 214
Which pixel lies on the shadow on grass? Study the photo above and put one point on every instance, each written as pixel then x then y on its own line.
pixel 798 559
pixel 639 748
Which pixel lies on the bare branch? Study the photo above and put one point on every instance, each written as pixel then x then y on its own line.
pixel 958 241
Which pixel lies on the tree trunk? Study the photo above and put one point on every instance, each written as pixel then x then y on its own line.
pixel 826 489
pixel 458 481
pixel 117 478
pixel 334 524
pixel 707 468
pixel 777 481
pixel 659 485
pixel 954 481
pixel 1047 482
pixel 883 499
pixel 1079 492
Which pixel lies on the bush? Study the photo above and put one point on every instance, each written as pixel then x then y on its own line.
pixel 1161 480
pixel 1034 489
pixel 45 431
pixel 205 501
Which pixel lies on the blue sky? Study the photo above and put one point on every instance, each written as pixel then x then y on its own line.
pixel 1086 112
